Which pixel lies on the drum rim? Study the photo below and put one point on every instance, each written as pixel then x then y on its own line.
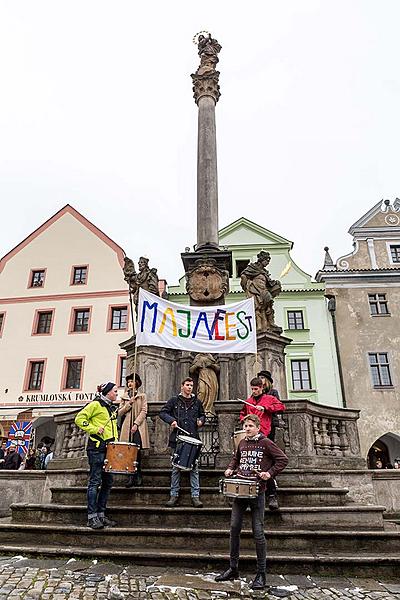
pixel 123 444
pixel 186 438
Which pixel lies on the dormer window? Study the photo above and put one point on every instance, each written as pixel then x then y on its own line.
pixel 37 278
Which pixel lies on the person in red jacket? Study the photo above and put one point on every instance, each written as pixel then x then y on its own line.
pixel 264 406
pixel 261 404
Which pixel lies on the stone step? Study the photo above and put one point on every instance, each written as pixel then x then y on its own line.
pixel 210 496
pixel 354 563
pixel 201 540
pixel 310 517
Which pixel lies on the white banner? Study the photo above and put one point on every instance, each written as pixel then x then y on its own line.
pixel 222 329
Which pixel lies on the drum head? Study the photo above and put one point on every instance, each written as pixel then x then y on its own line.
pixel 189 440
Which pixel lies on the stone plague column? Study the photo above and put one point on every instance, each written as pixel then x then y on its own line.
pixel 208 268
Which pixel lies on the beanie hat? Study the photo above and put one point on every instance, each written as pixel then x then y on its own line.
pixel 104 388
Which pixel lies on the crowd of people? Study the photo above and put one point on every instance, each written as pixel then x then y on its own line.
pixel 35 458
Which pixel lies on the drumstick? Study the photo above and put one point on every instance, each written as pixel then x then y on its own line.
pixel 184 431
pixel 253 405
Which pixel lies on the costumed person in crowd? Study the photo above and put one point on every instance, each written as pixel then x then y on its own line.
pixel 264 405
pixel 268 388
pixel 185 411
pixel 255 453
pixel 133 412
pixel 99 420
pixel 13 458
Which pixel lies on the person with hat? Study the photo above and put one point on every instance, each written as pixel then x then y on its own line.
pixel 99 420
pixel 268 383
pixel 133 412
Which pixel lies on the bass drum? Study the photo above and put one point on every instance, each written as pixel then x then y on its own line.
pixel 121 457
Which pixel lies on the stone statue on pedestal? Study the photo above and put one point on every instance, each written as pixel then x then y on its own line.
pixel 207 369
pixel 205 80
pixel 257 283
pixel 146 278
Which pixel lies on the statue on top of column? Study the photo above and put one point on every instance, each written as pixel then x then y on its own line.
pixel 209 49
pixel 146 278
pixel 256 282
pixel 205 80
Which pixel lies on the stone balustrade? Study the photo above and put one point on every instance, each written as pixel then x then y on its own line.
pixel 312 435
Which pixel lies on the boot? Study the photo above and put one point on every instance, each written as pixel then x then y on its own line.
pixel 107 522
pixel 273 503
pixel 197 503
pixel 173 501
pixel 139 476
pixel 95 523
pixel 131 482
pixel 229 574
pixel 259 581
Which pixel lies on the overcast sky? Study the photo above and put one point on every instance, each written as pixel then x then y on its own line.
pixel 96 110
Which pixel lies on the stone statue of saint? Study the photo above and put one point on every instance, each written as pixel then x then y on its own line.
pixel 146 278
pixel 257 283
pixel 207 369
pixel 209 49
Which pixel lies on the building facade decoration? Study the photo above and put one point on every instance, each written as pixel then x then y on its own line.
pixel 206 282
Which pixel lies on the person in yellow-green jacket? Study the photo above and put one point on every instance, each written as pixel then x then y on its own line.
pixel 99 420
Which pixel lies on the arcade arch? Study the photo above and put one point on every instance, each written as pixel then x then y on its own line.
pixel 386 448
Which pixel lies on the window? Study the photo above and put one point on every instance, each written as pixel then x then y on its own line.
pixel 81 318
pixel 301 374
pixel 378 304
pixel 73 374
pixel 122 370
pixel 295 319
pixel 37 278
pixel 2 319
pixel 240 266
pixel 79 276
pixel 380 370
pixel 35 380
pixel 44 320
pixel 395 253
pixel 119 318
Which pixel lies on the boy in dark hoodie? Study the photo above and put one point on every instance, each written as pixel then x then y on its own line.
pixel 186 411
pixel 256 456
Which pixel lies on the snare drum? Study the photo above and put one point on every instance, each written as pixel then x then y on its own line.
pixel 239 488
pixel 238 436
pixel 121 457
pixel 186 453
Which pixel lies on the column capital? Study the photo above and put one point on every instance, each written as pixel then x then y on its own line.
pixel 206 85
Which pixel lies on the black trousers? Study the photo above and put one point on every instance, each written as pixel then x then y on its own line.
pixel 257 507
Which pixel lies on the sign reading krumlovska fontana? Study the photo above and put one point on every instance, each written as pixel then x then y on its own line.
pixel 221 329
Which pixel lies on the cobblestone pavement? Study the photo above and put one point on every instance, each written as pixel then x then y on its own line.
pixel 44 579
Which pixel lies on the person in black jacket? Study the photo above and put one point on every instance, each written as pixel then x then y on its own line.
pixel 13 459
pixel 186 411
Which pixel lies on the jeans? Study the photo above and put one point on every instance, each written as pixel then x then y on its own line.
pixel 99 485
pixel 194 481
pixel 257 507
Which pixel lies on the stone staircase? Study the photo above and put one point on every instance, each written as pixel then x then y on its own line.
pixel 318 529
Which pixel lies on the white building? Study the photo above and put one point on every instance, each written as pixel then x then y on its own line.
pixel 64 309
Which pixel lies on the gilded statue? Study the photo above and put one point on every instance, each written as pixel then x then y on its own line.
pixel 206 367
pixel 256 282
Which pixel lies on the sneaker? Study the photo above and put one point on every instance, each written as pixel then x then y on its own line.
pixel 273 503
pixel 173 501
pixel 95 523
pixel 107 522
pixel 197 503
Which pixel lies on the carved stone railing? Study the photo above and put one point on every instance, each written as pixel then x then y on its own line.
pixel 312 435
pixel 320 436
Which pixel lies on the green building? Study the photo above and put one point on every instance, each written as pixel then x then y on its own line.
pixel 301 310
